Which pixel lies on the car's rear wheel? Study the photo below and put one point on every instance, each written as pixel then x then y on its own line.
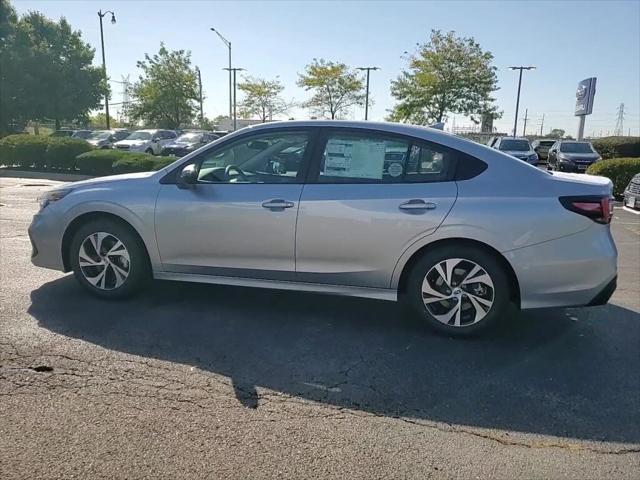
pixel 459 290
pixel 108 259
pixel 149 151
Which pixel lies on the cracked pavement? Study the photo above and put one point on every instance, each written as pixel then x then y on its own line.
pixel 199 381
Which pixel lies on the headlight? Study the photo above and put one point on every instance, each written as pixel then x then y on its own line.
pixel 53 196
pixel 565 160
pixel 533 157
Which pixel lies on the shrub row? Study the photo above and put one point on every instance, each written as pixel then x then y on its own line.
pixel 618 170
pixel 106 162
pixel 617 147
pixel 73 155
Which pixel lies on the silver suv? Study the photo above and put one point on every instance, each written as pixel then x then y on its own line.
pixel 388 211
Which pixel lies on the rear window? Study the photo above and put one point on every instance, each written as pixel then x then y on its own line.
pixel 514 145
pixel 576 148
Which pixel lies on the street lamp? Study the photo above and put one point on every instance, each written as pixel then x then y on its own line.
pixel 234 70
pixel 228 44
pixel 515 124
pixel 104 64
pixel 366 105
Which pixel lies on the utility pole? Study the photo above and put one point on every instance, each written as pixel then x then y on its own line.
pixel 200 91
pixel 366 102
pixel 104 63
pixel 619 131
pixel 228 44
pixel 526 117
pixel 515 123
pixel 541 124
pixel 235 118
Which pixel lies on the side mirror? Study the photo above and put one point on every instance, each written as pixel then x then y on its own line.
pixel 155 139
pixel 188 177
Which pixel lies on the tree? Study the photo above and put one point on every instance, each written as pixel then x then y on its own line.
pixel 555 133
pixel 47 70
pixel 99 121
pixel 166 93
pixel 262 98
pixel 335 87
pixel 448 74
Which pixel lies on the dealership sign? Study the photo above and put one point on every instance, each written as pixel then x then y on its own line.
pixel 584 96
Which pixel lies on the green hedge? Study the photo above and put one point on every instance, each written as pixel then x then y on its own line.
pixel 618 170
pixel 107 162
pixel 62 152
pixel 617 147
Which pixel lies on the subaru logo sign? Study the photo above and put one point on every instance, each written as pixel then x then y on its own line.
pixel 584 96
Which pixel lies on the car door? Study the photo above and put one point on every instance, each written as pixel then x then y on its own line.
pixel 369 196
pixel 239 218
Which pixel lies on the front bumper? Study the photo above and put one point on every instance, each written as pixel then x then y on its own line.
pixel 566 272
pixel 573 167
pixel 45 235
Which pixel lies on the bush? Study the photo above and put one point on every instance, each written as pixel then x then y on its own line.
pixel 618 170
pixel 62 152
pixel 107 162
pixel 617 147
pixel 23 150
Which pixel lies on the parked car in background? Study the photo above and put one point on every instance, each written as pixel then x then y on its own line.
pixel 571 156
pixel 63 132
pixel 106 138
pixel 519 148
pixel 541 147
pixel 188 142
pixel 149 141
pixel 82 134
pixel 632 193
pixel 449 227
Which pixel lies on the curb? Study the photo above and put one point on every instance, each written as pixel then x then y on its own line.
pixel 61 177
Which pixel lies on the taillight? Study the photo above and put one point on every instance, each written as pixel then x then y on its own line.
pixel 599 209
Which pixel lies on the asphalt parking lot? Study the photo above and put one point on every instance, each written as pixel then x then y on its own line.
pixel 196 381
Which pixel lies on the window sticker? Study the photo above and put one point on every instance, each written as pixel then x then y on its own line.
pixel 362 158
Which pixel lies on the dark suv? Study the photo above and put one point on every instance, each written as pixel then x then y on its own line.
pixel 571 156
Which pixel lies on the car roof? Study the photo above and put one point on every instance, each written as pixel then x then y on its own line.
pixel 574 141
pixel 514 138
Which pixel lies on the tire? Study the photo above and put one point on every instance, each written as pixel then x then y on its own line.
pixel 126 269
pixel 483 302
pixel 149 150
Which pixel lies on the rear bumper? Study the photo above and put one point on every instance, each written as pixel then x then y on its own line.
pixel 629 195
pixel 576 270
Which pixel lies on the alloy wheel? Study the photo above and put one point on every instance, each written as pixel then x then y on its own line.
pixel 104 260
pixel 458 292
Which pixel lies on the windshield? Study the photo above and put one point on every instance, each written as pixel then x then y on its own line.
pixel 189 137
pixel 99 136
pixel 139 136
pixel 576 148
pixel 515 145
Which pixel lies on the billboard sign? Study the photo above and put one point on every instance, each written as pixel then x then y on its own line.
pixel 584 96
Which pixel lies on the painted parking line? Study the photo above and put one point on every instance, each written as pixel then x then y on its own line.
pixel 630 210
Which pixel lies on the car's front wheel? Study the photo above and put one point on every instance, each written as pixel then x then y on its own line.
pixel 459 290
pixel 109 259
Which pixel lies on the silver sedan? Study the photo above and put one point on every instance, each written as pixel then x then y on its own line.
pixel 388 211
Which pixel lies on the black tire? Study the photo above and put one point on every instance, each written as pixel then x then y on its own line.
pixel 149 151
pixel 487 261
pixel 139 270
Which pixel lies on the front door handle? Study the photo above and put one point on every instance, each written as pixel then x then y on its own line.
pixel 417 204
pixel 277 204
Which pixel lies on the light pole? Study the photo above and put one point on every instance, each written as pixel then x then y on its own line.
pixel 366 104
pixel 228 44
pixel 104 64
pixel 515 124
pixel 200 95
pixel 235 118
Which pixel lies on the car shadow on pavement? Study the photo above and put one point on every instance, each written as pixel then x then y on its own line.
pixel 569 373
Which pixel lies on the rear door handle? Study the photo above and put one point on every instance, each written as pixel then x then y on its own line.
pixel 277 204
pixel 417 204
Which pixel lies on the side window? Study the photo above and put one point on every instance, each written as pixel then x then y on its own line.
pixel 167 134
pixel 268 158
pixel 378 159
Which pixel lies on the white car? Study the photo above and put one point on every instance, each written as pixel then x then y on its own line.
pixel 148 141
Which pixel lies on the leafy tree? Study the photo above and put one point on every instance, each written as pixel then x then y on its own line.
pixel 47 70
pixel 448 74
pixel 335 87
pixel 262 98
pixel 99 121
pixel 556 133
pixel 166 93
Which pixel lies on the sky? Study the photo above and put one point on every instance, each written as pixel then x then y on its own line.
pixel 566 41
